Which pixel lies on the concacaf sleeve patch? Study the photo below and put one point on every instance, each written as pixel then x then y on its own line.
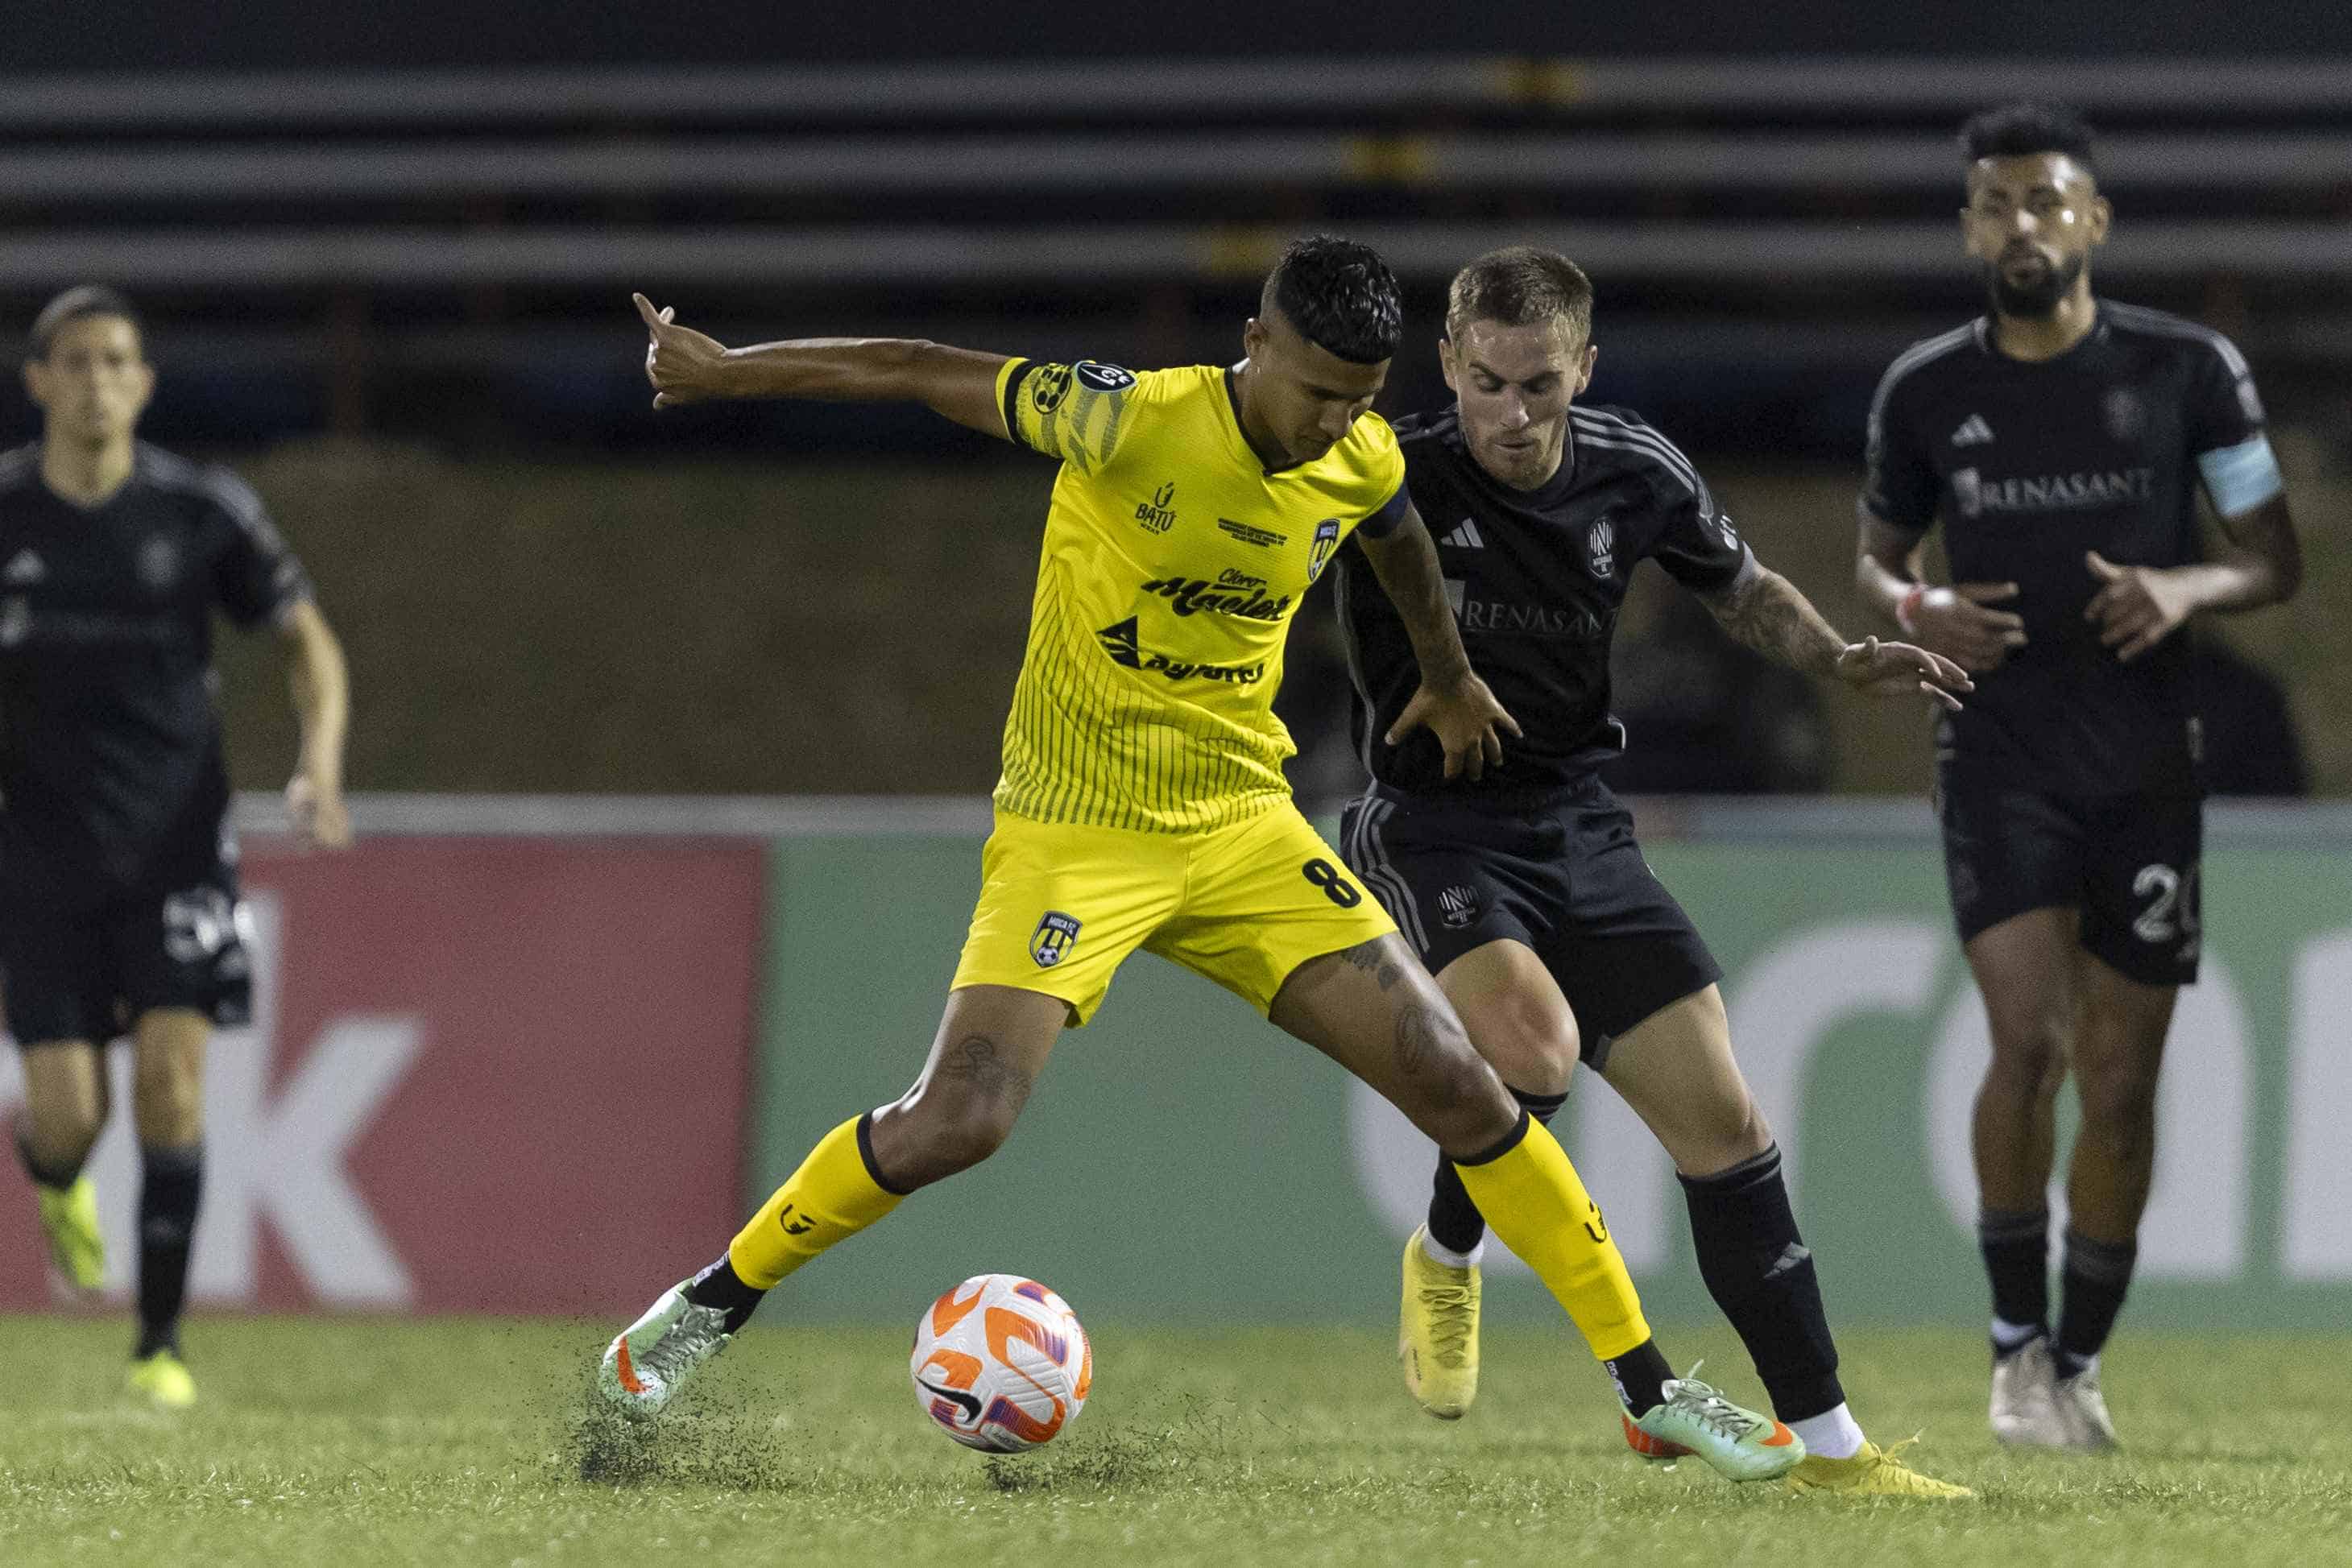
pixel 1105 378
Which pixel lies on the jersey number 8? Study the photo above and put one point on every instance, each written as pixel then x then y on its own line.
pixel 1336 888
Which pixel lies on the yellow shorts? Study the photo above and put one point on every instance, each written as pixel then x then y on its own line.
pixel 1062 906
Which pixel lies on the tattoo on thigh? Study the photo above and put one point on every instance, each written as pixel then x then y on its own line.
pixel 1416 1037
pixel 975 1060
pixel 1372 959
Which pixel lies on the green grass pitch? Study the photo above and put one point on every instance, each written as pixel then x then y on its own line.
pixel 353 1444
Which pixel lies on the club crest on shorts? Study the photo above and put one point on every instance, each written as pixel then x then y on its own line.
pixel 1052 941
pixel 1319 554
pixel 1459 905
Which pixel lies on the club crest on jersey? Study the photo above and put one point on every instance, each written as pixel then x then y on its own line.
pixel 1602 544
pixel 1458 905
pixel 1048 386
pixel 1319 554
pixel 2127 415
pixel 1053 939
pixel 159 562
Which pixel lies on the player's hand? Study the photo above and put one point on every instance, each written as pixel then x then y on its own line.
pixel 320 820
pixel 1899 670
pixel 682 364
pixel 2136 606
pixel 1466 717
pixel 1959 624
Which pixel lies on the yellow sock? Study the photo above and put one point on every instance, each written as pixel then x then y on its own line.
pixel 833 1196
pixel 1533 1199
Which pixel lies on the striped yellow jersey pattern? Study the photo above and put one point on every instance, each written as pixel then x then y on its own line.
pixel 1173 564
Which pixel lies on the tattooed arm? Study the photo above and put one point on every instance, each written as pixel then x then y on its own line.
pixel 1765 611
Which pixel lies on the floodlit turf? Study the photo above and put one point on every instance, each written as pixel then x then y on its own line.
pixel 353 1444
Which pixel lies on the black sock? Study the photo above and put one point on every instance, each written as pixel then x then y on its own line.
pixel 170 1185
pixel 719 1286
pixel 2016 1246
pixel 1454 1222
pixel 1761 1274
pixel 56 1179
pixel 1641 1376
pixel 2097 1274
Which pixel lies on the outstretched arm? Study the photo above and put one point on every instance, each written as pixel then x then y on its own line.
pixel 686 366
pixel 1765 611
pixel 1453 701
pixel 322 705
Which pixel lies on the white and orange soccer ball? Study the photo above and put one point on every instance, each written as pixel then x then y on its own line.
pixel 1000 1363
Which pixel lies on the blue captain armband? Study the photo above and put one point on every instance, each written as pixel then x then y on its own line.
pixel 1383 523
pixel 2239 478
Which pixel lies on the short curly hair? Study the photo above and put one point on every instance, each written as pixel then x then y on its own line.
pixel 1340 296
pixel 2022 130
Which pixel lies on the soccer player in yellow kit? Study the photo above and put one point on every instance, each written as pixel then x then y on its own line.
pixel 1143 802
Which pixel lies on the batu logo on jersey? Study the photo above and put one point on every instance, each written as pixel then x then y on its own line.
pixel 1602 544
pixel 1055 935
pixel 1319 554
pixel 1158 514
pixel 1119 640
pixel 1234 593
pixel 1977 496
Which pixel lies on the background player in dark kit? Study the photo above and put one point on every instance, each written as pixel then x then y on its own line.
pixel 2061 438
pixel 1525 890
pixel 119 903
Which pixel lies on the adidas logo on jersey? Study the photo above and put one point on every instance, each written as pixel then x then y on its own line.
pixel 1973 432
pixel 1465 537
pixel 24 570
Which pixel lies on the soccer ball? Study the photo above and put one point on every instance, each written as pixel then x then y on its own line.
pixel 1000 1363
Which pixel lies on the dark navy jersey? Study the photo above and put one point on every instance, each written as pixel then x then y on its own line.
pixel 109 741
pixel 2031 464
pixel 1536 579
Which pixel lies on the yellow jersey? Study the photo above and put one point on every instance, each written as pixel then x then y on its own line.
pixel 1174 561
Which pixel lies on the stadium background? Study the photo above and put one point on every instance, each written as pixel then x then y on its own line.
pixel 672 731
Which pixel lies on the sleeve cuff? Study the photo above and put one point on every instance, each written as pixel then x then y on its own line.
pixel 1385 521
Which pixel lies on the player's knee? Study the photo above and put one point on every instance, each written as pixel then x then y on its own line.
pixel 2030 1055
pixel 167 1100
pixel 60 1138
pixel 2118 1100
pixel 1532 1047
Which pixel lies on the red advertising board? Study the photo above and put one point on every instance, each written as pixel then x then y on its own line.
pixel 483 1075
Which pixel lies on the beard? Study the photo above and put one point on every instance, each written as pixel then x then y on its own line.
pixel 2037 300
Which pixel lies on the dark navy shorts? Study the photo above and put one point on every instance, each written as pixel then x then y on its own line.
pixel 80 965
pixel 1561 874
pixel 2127 863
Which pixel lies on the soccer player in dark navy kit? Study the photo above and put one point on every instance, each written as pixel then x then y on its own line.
pixel 1525 890
pixel 2061 439
pixel 120 914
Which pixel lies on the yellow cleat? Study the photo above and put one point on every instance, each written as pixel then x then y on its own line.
pixel 69 1218
pixel 1437 1332
pixel 1872 1472
pixel 163 1381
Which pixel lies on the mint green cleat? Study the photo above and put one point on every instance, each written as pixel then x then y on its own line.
pixel 1740 1444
